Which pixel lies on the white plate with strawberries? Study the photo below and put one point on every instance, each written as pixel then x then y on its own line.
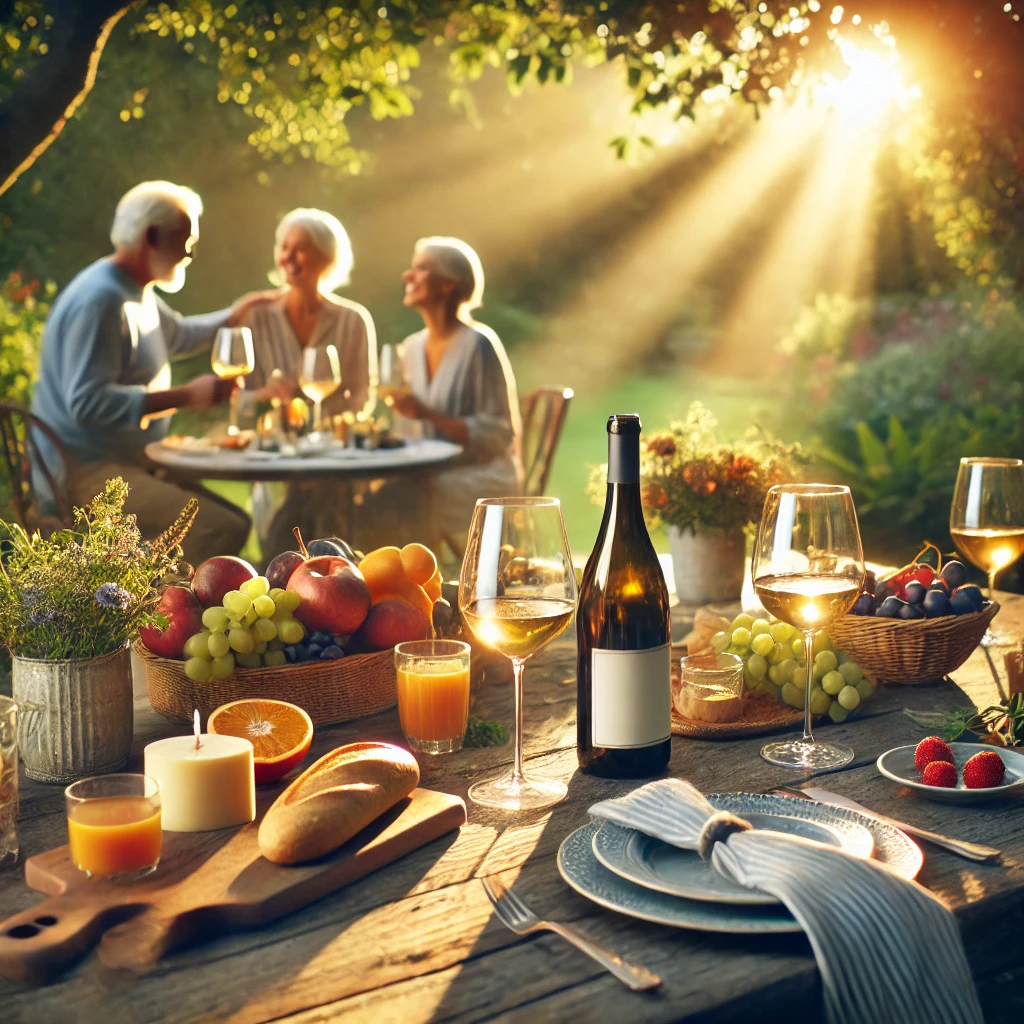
pixel 955 772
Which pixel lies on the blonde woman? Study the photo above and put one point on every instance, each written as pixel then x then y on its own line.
pixel 313 257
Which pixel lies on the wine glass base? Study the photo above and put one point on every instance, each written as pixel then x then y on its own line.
pixel 996 638
pixel 803 754
pixel 511 794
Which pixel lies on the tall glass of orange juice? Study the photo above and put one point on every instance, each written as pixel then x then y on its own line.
pixel 114 827
pixel 433 693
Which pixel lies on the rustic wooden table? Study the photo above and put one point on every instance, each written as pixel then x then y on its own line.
pixel 418 941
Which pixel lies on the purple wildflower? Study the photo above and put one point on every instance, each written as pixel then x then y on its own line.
pixel 41 616
pixel 31 596
pixel 110 595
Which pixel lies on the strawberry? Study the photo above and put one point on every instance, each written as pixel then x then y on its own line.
pixel 939 773
pixel 984 770
pixel 931 748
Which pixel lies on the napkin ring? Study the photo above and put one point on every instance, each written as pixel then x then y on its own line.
pixel 717 829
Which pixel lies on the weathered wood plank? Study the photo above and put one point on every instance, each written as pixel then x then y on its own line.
pixel 418 942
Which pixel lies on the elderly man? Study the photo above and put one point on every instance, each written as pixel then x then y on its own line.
pixel 105 381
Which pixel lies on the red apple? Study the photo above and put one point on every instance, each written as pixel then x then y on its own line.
pixel 184 616
pixel 390 622
pixel 216 576
pixel 335 597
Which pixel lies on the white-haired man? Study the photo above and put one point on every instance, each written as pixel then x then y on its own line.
pixel 105 380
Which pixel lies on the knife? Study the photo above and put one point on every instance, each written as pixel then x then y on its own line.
pixel 969 851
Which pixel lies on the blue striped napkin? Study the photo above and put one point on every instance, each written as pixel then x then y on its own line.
pixel 887 948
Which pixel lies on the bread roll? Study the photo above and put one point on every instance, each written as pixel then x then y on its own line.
pixel 334 799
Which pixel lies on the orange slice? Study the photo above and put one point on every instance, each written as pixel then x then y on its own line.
pixel 280 733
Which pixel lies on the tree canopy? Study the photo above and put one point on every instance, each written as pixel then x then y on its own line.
pixel 297 69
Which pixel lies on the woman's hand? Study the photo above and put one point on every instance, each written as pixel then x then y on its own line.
pixel 280 387
pixel 240 307
pixel 411 407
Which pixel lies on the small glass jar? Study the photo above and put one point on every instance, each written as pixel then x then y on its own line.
pixel 710 688
pixel 433 693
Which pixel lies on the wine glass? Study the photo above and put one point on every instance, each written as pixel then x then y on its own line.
pixel 986 519
pixel 233 356
pixel 517 592
pixel 393 382
pixel 808 569
pixel 319 378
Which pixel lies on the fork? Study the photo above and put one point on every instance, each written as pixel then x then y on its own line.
pixel 518 917
pixel 961 847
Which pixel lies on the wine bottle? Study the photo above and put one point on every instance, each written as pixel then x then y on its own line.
pixel 623 631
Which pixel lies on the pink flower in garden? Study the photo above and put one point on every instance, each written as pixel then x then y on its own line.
pixel 945 392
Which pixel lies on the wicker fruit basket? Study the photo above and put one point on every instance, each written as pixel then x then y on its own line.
pixel 329 691
pixel 911 651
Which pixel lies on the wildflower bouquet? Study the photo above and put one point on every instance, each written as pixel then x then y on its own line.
pixel 691 480
pixel 86 591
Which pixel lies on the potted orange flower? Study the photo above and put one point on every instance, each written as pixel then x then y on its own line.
pixel 706 493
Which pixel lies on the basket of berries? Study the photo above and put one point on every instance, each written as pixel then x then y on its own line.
pixel 919 623
pixel 318 630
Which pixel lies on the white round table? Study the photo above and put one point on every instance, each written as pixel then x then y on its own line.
pixel 349 463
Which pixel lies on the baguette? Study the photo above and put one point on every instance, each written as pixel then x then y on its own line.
pixel 334 799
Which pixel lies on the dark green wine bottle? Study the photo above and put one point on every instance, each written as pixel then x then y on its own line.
pixel 623 631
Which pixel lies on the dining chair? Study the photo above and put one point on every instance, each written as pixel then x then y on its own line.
pixel 19 448
pixel 543 412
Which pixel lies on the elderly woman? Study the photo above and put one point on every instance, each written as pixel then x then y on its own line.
pixel 314 257
pixel 462 386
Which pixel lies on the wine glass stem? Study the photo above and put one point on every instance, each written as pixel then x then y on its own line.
pixel 517 770
pixel 809 658
pixel 233 412
pixel 991 584
pixel 318 416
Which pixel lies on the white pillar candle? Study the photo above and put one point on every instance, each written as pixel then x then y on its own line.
pixel 206 781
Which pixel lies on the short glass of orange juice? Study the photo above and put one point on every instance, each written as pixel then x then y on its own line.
pixel 433 693
pixel 114 826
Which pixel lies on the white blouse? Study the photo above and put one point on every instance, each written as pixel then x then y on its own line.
pixel 342 323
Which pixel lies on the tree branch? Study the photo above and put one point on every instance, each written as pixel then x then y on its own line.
pixel 56 84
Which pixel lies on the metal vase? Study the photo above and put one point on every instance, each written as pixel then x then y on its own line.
pixel 76 717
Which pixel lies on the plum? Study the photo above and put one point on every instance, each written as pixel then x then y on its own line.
pixel 936 604
pixel 915 591
pixel 954 573
pixel 330 546
pixel 967 599
pixel 911 611
pixel 890 608
pixel 862 606
pixel 281 567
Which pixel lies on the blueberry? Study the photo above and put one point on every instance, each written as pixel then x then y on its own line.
pixel 890 608
pixel 915 591
pixel 320 637
pixel 341 639
pixel 863 605
pixel 936 604
pixel 291 653
pixel 331 653
pixel 302 651
pixel 911 611
pixel 314 650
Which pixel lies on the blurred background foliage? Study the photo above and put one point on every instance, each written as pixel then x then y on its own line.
pixel 841 272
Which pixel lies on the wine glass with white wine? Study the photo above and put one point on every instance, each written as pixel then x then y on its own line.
pixel 808 569
pixel 986 519
pixel 319 378
pixel 517 592
pixel 232 356
pixel 393 381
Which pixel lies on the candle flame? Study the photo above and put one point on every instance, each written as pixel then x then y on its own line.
pixel 195 726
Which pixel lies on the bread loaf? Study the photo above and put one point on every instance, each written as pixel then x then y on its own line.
pixel 334 799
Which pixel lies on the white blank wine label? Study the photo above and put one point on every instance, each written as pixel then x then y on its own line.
pixel 631 697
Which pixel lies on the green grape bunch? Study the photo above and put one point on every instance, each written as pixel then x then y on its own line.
pixel 251 628
pixel 774 665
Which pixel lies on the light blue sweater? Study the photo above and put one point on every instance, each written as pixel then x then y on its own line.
pixel 106 343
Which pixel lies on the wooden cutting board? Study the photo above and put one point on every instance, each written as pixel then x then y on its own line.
pixel 207 884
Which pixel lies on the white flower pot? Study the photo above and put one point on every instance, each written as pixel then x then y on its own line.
pixel 707 565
